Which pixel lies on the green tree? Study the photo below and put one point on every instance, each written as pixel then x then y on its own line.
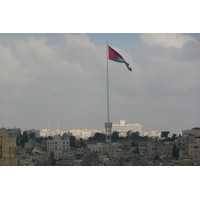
pixel 129 133
pixel 91 138
pixel 32 135
pixel 134 135
pixel 115 135
pixel 175 151
pixel 82 144
pixel 174 137
pixel 99 137
pixel 134 144
pixel 40 139
pixel 25 137
pixel 72 141
pixel 136 151
pixel 66 135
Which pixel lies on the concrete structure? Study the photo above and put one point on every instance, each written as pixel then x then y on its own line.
pixel 108 129
pixel 36 132
pixel 45 133
pixel 194 131
pixel 83 133
pixel 14 132
pixel 99 147
pixel 194 148
pixel 8 150
pixel 152 134
pixel 124 127
pixel 57 144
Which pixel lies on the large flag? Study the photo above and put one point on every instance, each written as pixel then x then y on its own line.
pixel 114 56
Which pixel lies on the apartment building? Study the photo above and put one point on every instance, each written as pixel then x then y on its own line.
pixel 99 147
pixel 194 148
pixel 151 134
pixel 124 127
pixel 57 144
pixel 194 131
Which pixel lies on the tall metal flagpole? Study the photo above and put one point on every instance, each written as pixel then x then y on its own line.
pixel 108 114
pixel 108 124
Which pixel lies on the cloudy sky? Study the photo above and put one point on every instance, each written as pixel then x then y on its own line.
pixel 62 78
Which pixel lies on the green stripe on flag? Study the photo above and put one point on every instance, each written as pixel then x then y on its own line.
pixel 120 61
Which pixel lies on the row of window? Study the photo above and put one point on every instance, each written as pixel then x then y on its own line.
pixel 194 152
pixel 56 142
pixel 49 148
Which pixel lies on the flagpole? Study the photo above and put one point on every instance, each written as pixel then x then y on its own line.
pixel 108 124
pixel 108 114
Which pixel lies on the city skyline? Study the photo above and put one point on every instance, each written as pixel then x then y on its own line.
pixel 62 78
pixel 26 90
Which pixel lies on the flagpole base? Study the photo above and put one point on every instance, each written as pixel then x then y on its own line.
pixel 108 126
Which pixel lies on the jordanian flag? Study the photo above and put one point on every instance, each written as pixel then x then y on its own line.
pixel 114 56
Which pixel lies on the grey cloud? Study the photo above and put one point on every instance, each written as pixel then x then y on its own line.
pixel 41 83
pixel 166 39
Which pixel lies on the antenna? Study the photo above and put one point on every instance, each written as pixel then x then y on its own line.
pixel 48 126
pixel 58 126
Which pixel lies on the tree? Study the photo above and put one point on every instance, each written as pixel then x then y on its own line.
pixel 50 138
pixel 25 136
pixel 115 135
pixel 82 144
pixel 136 150
pixel 40 139
pixel 164 134
pixel 175 151
pixel 129 133
pixel 72 141
pixel 134 135
pixel 66 135
pixel 91 138
pixel 134 144
pixel 157 157
pixel 174 137
pixel 99 136
pixel 32 135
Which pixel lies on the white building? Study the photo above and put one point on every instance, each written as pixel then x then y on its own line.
pixel 123 127
pixel 152 134
pixel 83 133
pixel 58 144
pixel 45 133
pixel 99 147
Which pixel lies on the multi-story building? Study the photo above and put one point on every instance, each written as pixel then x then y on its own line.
pixel 183 143
pixel 83 133
pixel 124 127
pixel 57 144
pixel 33 131
pixel 45 133
pixel 194 148
pixel 14 132
pixel 58 155
pixel 99 147
pixel 152 134
pixel 194 131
